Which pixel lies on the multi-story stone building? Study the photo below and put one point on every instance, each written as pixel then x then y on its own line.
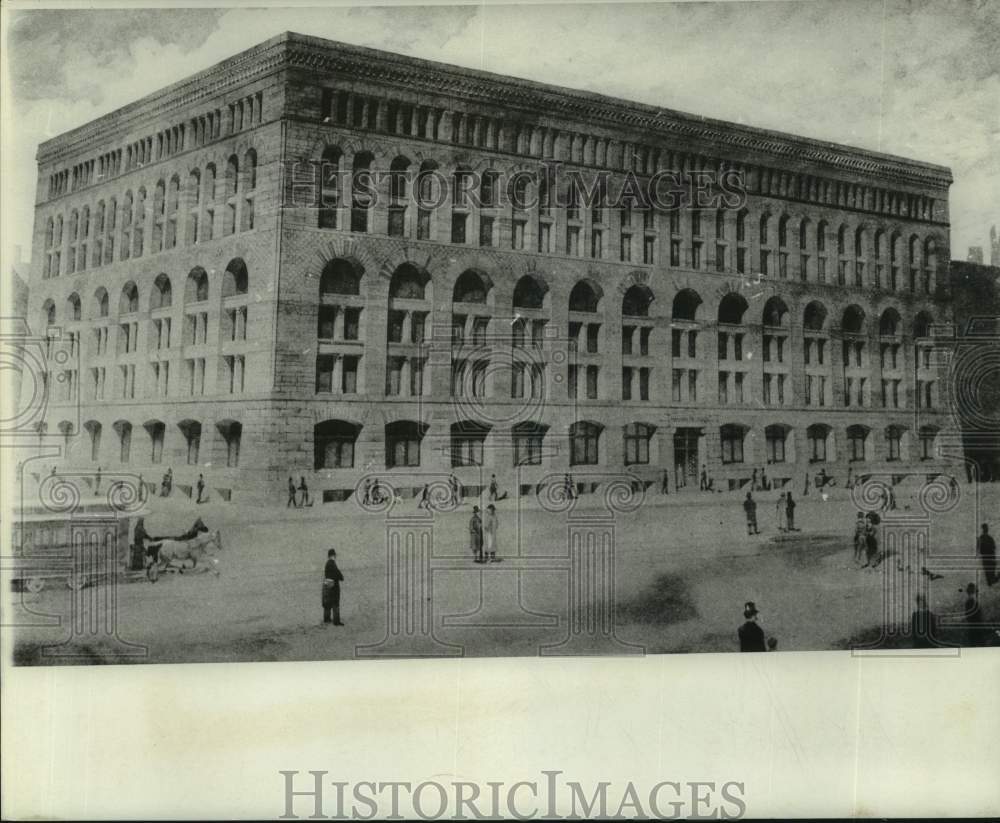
pixel 233 299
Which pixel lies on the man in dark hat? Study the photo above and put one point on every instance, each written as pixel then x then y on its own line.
pixel 750 507
pixel 476 535
pixel 790 510
pixel 750 633
pixel 987 549
pixel 332 578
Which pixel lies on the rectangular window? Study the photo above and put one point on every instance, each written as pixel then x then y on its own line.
pixel 739 386
pixel 627 332
pixel 625 248
pixel 723 388
pixel 692 386
pixel 423 224
pixel 723 348
pixel 720 257
pixel 626 383
pixel 692 344
pixel 677 377
pixel 517 234
pixel 592 382
pixel 597 244
pixel 649 251
pixel 593 335
pixel 486 231
pixel 397 221
pixel 458 222
pixel 741 260
pixel 573 241
pixel 545 237
pixel 696 255
pixel 675 253
pixel 644 334
pixel 675 342
pixel 572 378
pixel 644 384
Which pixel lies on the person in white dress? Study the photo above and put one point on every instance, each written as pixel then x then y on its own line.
pixel 780 509
pixel 490 526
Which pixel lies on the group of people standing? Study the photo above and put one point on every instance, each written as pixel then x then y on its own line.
pixel 784 512
pixel 298 496
pixel 483 534
pixel 866 541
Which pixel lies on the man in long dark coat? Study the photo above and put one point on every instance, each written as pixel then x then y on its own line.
pixel 332 578
pixel 987 548
pixel 476 535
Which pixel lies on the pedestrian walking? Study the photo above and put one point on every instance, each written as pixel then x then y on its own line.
pixel 751 635
pixel 860 532
pixel 665 484
pixel 332 578
pixel 750 507
pixel 704 478
pixel 753 481
pixel 494 490
pixel 986 547
pixel 871 545
pixel 97 481
pixel 304 492
pixel 366 493
pixel 142 489
pixel 424 502
pixel 765 484
pixel 476 535
pixel 200 486
pixel 292 496
pixel 491 525
pixel 779 510
pixel 568 487
pixel 456 489
pixel 790 512
pixel 805 486
pixel 850 477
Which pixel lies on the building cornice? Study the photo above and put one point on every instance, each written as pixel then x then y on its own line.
pixel 534 99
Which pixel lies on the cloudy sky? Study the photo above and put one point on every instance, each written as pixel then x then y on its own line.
pixel 918 79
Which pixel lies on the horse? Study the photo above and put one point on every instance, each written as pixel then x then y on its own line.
pixel 175 553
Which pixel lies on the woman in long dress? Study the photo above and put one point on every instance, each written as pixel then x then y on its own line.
pixel 490 527
pixel 780 510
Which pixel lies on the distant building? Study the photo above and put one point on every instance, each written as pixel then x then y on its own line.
pixel 12 330
pixel 975 255
pixel 994 247
pixel 975 369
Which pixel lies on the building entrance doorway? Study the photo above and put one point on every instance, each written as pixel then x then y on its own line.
pixel 686 448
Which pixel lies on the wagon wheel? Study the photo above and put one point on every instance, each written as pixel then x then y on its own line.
pixel 34 584
pixel 76 582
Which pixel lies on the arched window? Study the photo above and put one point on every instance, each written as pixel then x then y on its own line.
pixel 854 320
pixel 250 169
pixel 732 436
pixel 408 282
pixel 814 316
pixel 129 302
pixel 139 223
pixel 232 193
pixel 330 187
pixel 93 428
pixel 686 304
pixel 232 436
pixel 585 439
pixel 467 439
pixel 161 296
pixel 922 325
pixel 732 307
pixel 888 324
pixel 584 298
pixel 820 436
pixel 529 293
pixel 159 210
pixel 894 443
pixel 99 221
pixel 101 302
pixel 156 431
pixel 191 431
pixel 73 228
pixel 196 287
pixel 81 262
pixel 775 442
pixel 236 279
pixel 636 438
pixel 528 438
pixel 636 301
pixel 398 185
pixel 361 191
pixel 928 442
pixel 127 218
pixel 470 288
pixel 775 313
pixel 73 306
pixel 173 204
pixel 764 224
pixel 402 443
pixel 857 443
pixel 783 231
pixel 124 431
pixel 211 195
pixel 334 442
pixel 340 276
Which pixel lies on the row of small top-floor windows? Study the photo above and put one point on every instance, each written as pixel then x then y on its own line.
pixel 91 238
pixel 344 278
pixel 235 281
pixel 242 114
pixel 534 140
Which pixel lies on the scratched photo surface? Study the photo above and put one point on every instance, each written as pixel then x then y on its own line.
pixel 481 331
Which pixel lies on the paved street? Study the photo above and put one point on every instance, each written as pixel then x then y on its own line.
pixel 683 568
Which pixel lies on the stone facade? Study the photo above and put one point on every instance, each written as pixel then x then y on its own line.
pixel 416 336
